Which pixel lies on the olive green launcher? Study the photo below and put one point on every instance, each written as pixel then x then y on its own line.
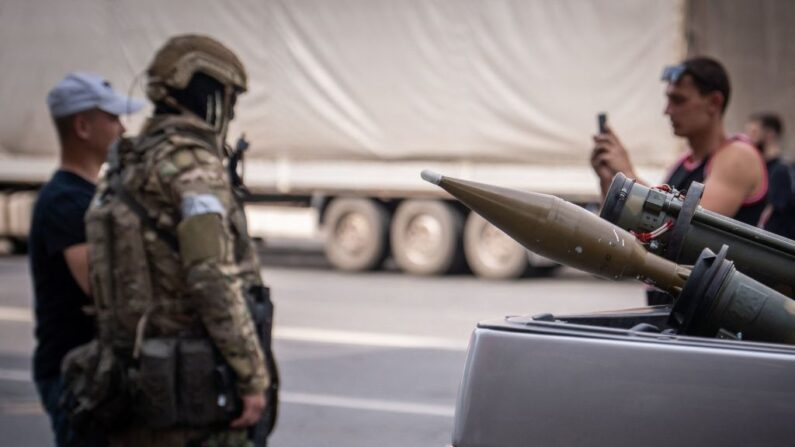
pixel 713 299
pixel 687 229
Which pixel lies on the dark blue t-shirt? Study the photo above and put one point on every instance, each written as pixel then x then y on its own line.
pixel 58 224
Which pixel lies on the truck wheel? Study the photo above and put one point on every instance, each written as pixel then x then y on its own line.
pixel 491 253
pixel 356 234
pixel 426 237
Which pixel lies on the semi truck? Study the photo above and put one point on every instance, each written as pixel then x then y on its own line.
pixel 350 99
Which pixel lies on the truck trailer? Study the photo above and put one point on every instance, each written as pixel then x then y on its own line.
pixel 350 99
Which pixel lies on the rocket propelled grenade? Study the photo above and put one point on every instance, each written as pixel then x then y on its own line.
pixel 713 298
pixel 652 212
pixel 565 233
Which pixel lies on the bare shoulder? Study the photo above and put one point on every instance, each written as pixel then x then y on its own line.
pixel 739 159
pixel 738 150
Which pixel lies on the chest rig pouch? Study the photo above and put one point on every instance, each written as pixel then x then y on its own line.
pixel 183 383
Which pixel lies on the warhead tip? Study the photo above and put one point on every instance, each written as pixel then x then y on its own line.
pixel 430 176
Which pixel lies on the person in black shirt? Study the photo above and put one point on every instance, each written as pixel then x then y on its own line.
pixel 765 130
pixel 779 217
pixel 86 113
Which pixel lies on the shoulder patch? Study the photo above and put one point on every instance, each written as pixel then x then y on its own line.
pixel 193 205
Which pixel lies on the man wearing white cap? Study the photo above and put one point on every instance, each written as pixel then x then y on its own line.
pixel 86 112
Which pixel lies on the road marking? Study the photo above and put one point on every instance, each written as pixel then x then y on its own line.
pixel 389 406
pixel 320 400
pixel 16 375
pixel 22 408
pixel 332 336
pixel 367 338
pixel 22 314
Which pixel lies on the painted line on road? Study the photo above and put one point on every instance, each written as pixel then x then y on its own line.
pixel 389 406
pixel 16 375
pixel 23 314
pixel 22 408
pixel 367 339
pixel 332 336
pixel 321 400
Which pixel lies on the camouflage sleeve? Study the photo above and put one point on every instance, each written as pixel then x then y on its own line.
pixel 198 186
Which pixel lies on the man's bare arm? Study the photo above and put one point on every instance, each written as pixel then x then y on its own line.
pixel 76 258
pixel 735 176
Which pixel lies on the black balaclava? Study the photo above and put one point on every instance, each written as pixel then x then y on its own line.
pixel 203 96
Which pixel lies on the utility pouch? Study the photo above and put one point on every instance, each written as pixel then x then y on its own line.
pixel 157 388
pixel 206 386
pixel 183 382
pixel 96 394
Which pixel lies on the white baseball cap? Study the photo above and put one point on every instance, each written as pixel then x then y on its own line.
pixel 78 92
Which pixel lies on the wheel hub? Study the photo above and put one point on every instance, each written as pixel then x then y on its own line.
pixel 352 233
pixel 423 238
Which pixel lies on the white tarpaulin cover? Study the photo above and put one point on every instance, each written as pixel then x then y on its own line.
pixel 474 80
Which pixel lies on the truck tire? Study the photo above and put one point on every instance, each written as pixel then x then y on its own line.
pixel 491 253
pixel 20 213
pixel 356 234
pixel 426 237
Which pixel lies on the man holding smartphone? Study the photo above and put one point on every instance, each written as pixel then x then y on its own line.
pixel 731 169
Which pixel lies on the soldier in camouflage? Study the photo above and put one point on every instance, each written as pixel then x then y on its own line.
pixel 170 254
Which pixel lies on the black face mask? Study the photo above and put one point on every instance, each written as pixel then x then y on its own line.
pixel 200 97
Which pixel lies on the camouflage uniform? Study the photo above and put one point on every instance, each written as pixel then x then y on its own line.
pixel 143 288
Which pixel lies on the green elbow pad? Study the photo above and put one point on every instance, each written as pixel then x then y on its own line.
pixel 201 238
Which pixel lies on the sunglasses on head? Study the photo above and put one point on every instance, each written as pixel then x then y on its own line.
pixel 673 73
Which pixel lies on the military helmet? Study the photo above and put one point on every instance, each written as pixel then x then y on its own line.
pixel 183 56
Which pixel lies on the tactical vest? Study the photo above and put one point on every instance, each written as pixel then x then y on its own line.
pixel 144 313
pixel 136 273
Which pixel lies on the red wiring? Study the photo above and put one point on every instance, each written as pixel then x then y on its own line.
pixel 645 238
pixel 648 236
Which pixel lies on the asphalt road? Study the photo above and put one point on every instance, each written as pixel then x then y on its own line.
pixel 366 359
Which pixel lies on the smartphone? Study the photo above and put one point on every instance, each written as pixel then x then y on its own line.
pixel 602 122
